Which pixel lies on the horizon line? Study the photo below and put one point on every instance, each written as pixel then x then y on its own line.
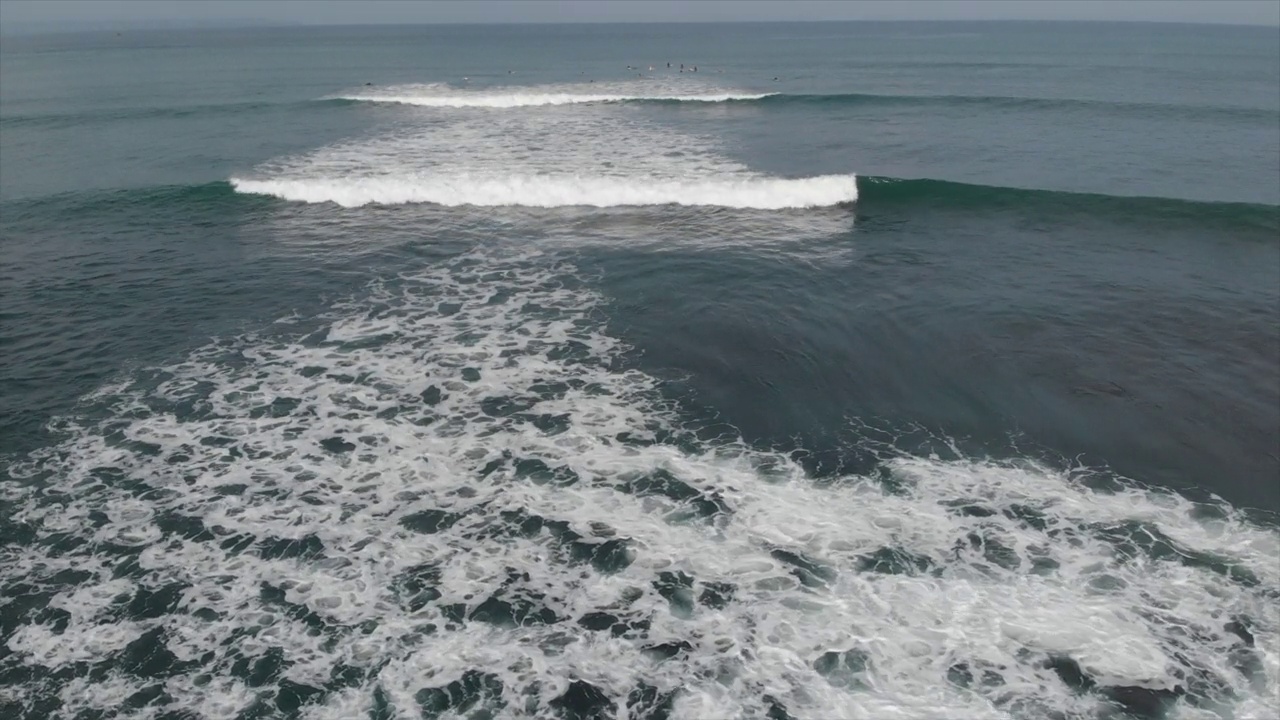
pixel 87 26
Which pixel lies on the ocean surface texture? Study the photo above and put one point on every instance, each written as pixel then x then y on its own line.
pixel 874 371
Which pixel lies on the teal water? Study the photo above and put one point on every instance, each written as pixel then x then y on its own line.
pixel 871 370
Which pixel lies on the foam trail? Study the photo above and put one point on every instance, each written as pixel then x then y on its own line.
pixel 453 500
pixel 443 96
pixel 756 192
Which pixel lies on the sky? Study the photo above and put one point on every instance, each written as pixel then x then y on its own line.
pixel 53 14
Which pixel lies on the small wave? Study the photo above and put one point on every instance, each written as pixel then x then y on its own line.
pixel 566 191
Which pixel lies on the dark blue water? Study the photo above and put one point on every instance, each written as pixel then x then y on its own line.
pixel 871 369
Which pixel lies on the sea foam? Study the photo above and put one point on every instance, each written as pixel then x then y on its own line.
pixel 454 496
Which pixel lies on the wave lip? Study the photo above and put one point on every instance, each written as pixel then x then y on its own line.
pixel 443 96
pixel 760 193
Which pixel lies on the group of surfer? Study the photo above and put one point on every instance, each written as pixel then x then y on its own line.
pixel 692 68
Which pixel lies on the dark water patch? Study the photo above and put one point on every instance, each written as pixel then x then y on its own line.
pixel 584 701
pixel 148 604
pixel 894 561
pixel 503 406
pixel 808 571
pixel 1142 703
pixel 261 670
pixel 271 595
pixel 668 650
pixel 1070 673
pixel 1240 627
pixel 185 526
pixel 604 555
pixel 290 696
pixel 519 609
pixel 429 522
pixel 847 668
pixel 1134 539
pixel 277 408
pixel 416 587
pixel 151 695
pixel 717 595
pixel 974 676
pixel 307 548
pixel 698 504
pixel 432 395
pixel 677 588
pixel 776 709
pixel 149 657
pixel 597 620
pixel 646 702
pixel 473 689
pixel 993 551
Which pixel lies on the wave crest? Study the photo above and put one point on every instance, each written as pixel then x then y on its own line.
pixel 564 191
pixel 443 96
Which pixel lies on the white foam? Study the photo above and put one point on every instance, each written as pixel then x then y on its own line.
pixel 444 96
pixel 343 443
pixel 575 158
pixel 552 191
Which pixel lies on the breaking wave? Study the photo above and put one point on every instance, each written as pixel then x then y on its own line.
pixel 551 191
pixel 444 96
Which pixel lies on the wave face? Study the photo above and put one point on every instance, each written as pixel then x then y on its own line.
pixel 452 496
pixel 534 160
pixel 1015 102
pixel 446 96
pixel 886 192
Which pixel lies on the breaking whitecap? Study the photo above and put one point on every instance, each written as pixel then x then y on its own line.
pixel 549 158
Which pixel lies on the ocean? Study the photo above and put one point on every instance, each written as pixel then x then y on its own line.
pixel 808 371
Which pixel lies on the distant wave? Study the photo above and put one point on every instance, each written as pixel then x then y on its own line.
pixel 56 120
pixel 563 191
pixel 509 98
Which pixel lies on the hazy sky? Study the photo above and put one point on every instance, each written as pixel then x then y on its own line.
pixel 130 12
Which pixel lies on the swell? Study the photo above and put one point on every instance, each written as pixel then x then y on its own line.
pixel 534 97
pixel 874 194
pixel 61 120
pixel 218 195
pixel 882 192
pixel 1002 102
